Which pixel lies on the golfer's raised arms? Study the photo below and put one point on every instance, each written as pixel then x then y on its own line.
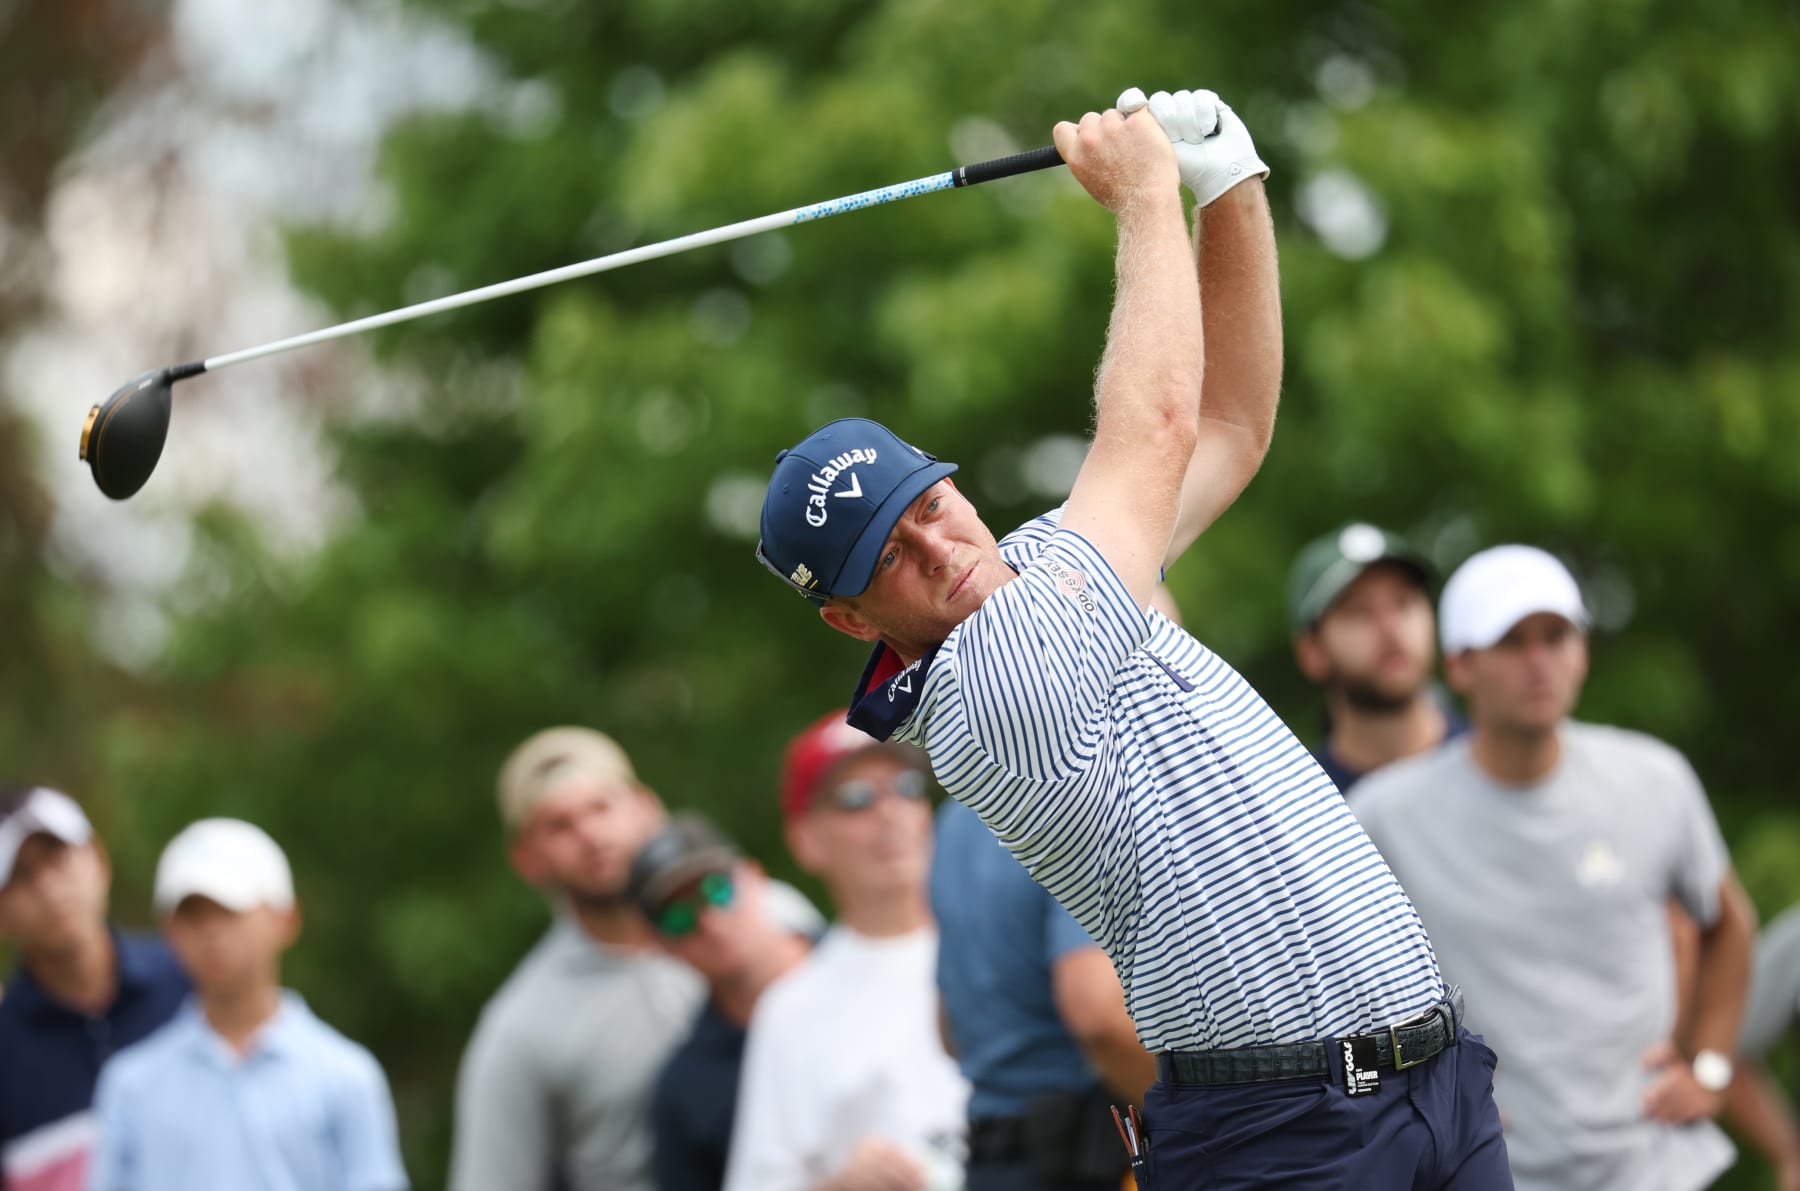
pixel 1147 397
pixel 1234 245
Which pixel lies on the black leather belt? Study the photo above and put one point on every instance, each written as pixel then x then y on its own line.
pixel 1402 1045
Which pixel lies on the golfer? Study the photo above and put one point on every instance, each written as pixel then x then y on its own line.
pixel 1303 1034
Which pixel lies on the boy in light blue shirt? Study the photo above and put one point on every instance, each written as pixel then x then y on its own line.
pixel 245 1090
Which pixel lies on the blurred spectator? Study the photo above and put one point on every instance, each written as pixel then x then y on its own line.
pixel 1360 611
pixel 245 1090
pixel 721 915
pixel 1540 853
pixel 554 1091
pixel 81 991
pixel 1036 1017
pixel 1755 1104
pixel 846 1084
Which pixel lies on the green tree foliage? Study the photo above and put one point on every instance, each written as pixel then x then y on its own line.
pixel 1578 330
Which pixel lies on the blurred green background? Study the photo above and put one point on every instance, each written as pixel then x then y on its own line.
pixel 1541 268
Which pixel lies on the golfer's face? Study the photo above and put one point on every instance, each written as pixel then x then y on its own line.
pixel 938 566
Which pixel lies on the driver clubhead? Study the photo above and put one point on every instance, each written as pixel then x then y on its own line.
pixel 123 436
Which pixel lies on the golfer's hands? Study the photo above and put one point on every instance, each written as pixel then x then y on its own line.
pixel 1211 144
pixel 877 1165
pixel 1121 160
pixel 1675 1095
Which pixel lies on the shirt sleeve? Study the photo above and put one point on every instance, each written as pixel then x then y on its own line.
pixel 1036 665
pixel 503 1117
pixel 368 1138
pixel 1701 861
pixel 110 1168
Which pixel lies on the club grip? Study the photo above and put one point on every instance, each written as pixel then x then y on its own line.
pixel 1006 167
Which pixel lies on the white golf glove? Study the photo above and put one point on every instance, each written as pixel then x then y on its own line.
pixel 1212 146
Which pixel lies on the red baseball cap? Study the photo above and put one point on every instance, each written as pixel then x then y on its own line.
pixel 815 752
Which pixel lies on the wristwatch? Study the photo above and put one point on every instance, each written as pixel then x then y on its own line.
pixel 1712 1070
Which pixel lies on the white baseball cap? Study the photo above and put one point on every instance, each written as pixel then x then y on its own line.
pixel 38 810
pixel 1497 588
pixel 228 860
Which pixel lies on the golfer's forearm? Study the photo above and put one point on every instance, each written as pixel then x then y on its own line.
pixel 1234 245
pixel 1149 379
pixel 1234 242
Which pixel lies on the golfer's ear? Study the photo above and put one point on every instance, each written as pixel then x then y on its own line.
pixel 845 619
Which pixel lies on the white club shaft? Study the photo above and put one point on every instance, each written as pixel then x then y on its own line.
pixel 600 264
pixel 631 256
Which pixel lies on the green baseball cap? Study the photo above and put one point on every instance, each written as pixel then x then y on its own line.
pixel 1327 565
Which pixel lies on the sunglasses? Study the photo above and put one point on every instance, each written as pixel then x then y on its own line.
pixel 681 916
pixel 861 794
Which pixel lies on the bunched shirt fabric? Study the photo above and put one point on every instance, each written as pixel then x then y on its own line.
pixel 1142 780
pixel 305 1109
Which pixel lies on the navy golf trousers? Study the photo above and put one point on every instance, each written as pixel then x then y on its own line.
pixel 1433 1127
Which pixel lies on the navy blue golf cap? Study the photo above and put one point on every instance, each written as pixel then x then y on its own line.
pixel 833 501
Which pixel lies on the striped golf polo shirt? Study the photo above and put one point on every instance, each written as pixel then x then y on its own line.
pixel 1145 784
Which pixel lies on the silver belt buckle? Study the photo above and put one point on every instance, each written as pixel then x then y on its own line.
pixel 1400 1062
pixel 1418 1019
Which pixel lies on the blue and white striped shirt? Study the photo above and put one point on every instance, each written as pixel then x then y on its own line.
pixel 1149 787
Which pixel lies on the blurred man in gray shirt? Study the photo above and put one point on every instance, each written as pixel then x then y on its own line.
pixel 1540 854
pixel 555 1086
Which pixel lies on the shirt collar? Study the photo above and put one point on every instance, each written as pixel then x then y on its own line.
pixel 888 692
pixel 278 1037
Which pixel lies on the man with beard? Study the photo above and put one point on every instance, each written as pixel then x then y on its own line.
pixel 555 1086
pixel 1363 629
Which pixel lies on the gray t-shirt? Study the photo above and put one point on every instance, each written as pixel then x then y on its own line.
pixel 555 1086
pixel 1546 903
pixel 1775 988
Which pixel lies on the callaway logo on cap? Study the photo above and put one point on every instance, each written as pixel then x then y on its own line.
pixel 833 501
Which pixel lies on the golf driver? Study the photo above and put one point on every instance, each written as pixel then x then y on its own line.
pixel 123 436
